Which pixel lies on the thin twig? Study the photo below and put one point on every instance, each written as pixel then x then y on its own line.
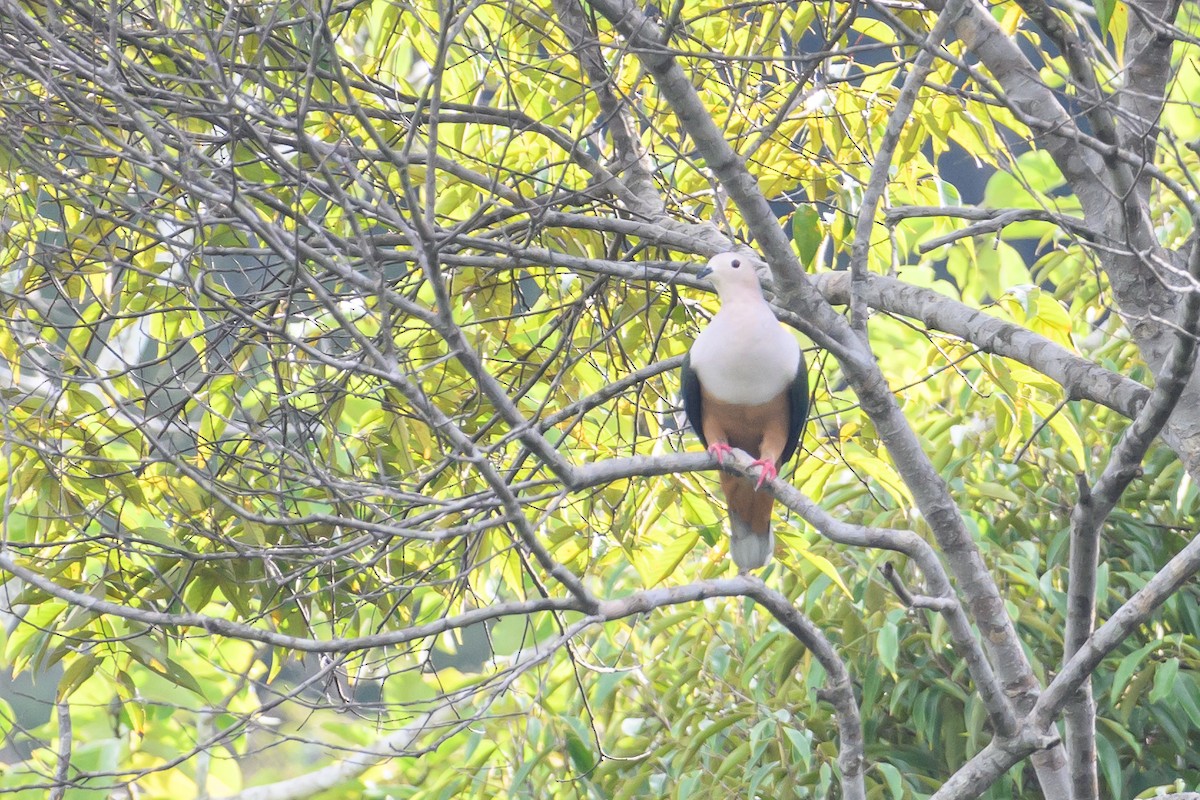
pixel 877 183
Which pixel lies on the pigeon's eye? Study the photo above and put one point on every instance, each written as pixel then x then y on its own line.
pixel 735 263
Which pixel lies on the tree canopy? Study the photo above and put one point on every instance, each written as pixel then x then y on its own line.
pixel 342 449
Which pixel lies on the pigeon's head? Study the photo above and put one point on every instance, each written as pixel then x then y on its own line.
pixel 732 273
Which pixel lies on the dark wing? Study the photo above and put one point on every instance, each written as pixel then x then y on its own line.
pixel 797 409
pixel 690 383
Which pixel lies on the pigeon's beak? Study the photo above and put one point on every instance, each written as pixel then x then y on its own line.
pixel 704 273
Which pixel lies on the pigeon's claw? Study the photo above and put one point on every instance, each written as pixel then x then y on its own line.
pixel 769 473
pixel 720 450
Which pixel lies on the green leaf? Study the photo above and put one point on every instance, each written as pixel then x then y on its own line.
pixel 78 671
pixel 1188 697
pixel 1126 668
pixel 1121 732
pixel 825 566
pixel 888 644
pixel 894 780
pixel 721 723
pixel 1110 767
pixel 1164 680
pixel 6 719
pixel 579 748
pixel 1104 12
pixel 525 770
pixel 801 742
pixel 738 759
pixel 807 233
pixel 665 559
pixel 786 661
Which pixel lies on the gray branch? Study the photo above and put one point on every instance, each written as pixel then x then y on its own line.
pixel 1110 182
pixel 880 169
pixel 1081 379
pixel 62 767
pixel 859 366
pixel 999 755
pixel 630 155
pixel 1122 467
pixel 1087 521
pixel 1148 46
pixel 937 581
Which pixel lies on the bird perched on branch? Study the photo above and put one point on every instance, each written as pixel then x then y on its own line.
pixel 745 385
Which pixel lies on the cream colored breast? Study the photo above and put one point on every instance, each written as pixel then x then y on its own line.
pixel 746 358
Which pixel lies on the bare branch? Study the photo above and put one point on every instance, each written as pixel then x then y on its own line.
pixel 62 769
pixel 631 157
pixel 1080 713
pixel 984 600
pixel 880 169
pixel 1080 378
pixel 239 630
pixel 1087 520
pixel 943 599
pixel 1148 47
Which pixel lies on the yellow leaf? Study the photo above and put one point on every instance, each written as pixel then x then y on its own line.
pixel 1061 424
pixel 825 566
pixel 664 560
pixel 1012 19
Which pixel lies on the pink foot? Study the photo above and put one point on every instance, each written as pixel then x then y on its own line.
pixel 720 450
pixel 768 472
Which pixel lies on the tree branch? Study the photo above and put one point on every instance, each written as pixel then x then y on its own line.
pixel 840 691
pixel 239 630
pixel 1080 713
pixel 1148 69
pixel 995 759
pixel 401 742
pixel 989 220
pixel 1077 670
pixel 1080 378
pixel 1133 613
pixel 1088 517
pixel 858 365
pixel 62 767
pixel 881 167
pixel 942 599
pixel 630 155
pixel 1102 176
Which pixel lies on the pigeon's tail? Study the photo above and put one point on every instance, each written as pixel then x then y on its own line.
pixel 751 542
